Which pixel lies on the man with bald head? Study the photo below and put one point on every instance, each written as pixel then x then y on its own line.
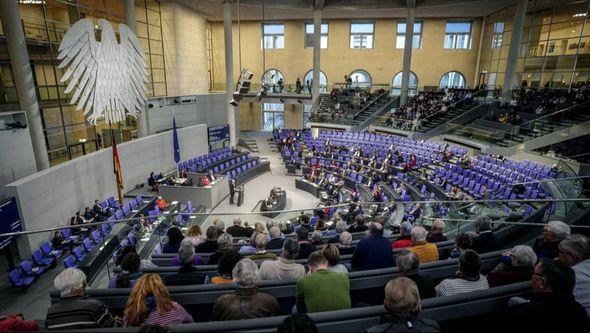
pixel 236 230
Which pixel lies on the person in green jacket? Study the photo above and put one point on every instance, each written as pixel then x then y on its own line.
pixel 322 289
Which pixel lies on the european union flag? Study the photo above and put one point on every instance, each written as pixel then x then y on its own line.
pixel 175 144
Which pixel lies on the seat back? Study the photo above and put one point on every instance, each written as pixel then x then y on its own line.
pixel 70 261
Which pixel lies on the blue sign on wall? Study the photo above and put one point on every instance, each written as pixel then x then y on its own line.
pixel 218 134
pixel 9 221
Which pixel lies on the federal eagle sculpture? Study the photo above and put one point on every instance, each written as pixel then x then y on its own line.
pixel 108 78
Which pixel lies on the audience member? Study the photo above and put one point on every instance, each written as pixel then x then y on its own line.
pixel 236 230
pixel 225 242
pixel 227 262
pixel 574 251
pixel 468 278
pixel 425 251
pixel 317 238
pixel 408 264
pixel 247 301
pixel 359 225
pixel 261 253
pixel 341 227
pixel 374 251
pixel 150 304
pixel 516 266
pixel 553 233
pixel 297 323
pixel 276 241
pixel 130 272
pixel 161 203
pixel 332 255
pixel 462 242
pixel 405 239
pixel 175 236
pixel 486 240
pixel 195 235
pixel 436 232
pixel 305 247
pixel 220 225
pixel 187 274
pixel 402 301
pixel 345 245
pixel 73 311
pixel 210 243
pixel 322 289
pixel 283 267
pixel 304 223
pixel 552 307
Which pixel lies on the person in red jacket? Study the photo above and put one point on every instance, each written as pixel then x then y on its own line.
pixel 405 240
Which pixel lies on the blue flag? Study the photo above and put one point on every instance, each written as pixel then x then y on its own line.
pixel 176 147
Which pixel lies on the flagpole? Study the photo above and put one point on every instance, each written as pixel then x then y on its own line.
pixel 173 121
pixel 117 175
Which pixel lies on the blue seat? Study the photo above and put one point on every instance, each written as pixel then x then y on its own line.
pixel 118 215
pixel 70 261
pixel 67 235
pixel 42 261
pixel 18 280
pixel 96 238
pixel 104 204
pixel 132 205
pixel 125 210
pixel 78 253
pixel 27 268
pixel 138 200
pixel 87 244
pixel 104 229
pixel 49 251
pixel 112 202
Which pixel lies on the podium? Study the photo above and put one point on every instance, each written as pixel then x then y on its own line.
pixel 240 193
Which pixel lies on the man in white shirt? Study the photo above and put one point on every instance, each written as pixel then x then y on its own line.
pixel 574 251
pixel 283 267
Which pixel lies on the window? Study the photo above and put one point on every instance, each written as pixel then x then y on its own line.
pixel 498 35
pixel 452 80
pixel 306 114
pixel 274 79
pixel 309 35
pixel 361 35
pixel 458 35
pixel 273 36
pixel 360 78
pixel 396 84
pixel 273 116
pixel 401 35
pixel 309 77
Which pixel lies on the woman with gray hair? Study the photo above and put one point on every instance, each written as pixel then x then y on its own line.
pixel 247 301
pixel 187 260
pixel 516 266
pixel 345 243
pixel 408 265
pixel 225 242
pixel 405 239
pixel 553 233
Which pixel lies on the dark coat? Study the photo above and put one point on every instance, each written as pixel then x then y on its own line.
pixel 275 244
pixel 396 324
pixel 236 231
pixel 245 303
pixel 185 276
pixel 373 252
pixel 509 275
pixel 208 246
pixel 486 242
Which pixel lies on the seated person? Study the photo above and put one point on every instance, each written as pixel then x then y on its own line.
pixel 516 266
pixel 261 253
pixel 187 274
pixel 130 272
pixel 98 210
pixel 436 232
pixel 283 267
pixel 408 265
pixel 425 251
pixel 402 301
pixel 553 233
pixel 487 240
pixel 468 278
pixel 175 237
pixel 322 289
pixel 210 243
pixel 247 302
pixel 358 226
pixel 225 243
pixel 405 239
pixel 332 255
pixel 276 239
pixel 462 242
pixel 374 251
pixel 225 268
pixel 305 247
pixel 162 204
pixel 74 311
pixel 345 243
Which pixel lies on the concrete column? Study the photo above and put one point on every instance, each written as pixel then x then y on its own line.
pixel 23 78
pixel 479 49
pixel 73 11
pixel 510 79
pixel 317 46
pixel 229 72
pixel 407 55
pixel 130 14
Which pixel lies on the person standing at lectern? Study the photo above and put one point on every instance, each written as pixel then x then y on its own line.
pixel 232 190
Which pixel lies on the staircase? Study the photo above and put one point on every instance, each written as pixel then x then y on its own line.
pixel 441 119
pixel 249 144
pixel 375 109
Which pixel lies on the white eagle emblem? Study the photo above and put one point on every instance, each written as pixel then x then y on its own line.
pixel 108 77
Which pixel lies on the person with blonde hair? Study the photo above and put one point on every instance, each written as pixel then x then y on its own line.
pixel 332 255
pixel 402 301
pixel 150 304
pixel 195 235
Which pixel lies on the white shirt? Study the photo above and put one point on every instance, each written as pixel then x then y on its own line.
pixel 453 286
pixel 582 288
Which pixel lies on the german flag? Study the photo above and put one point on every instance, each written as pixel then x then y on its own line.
pixel 117 169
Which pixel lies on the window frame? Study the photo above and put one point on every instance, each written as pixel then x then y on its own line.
pixel 367 75
pixel 498 36
pixel 264 35
pixel 412 90
pixel 451 86
pixel 351 34
pixel 323 89
pixel 403 34
pixel 305 46
pixel 456 34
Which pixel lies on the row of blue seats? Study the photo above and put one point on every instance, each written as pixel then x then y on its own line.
pixel 205 160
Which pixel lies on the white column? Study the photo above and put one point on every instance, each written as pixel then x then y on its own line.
pixel 317 45
pixel 510 79
pixel 23 78
pixel 229 72
pixel 130 14
pixel 407 55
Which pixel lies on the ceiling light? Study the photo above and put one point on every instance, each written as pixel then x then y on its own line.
pixel 579 15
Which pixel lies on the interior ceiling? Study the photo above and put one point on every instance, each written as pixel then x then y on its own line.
pixel 346 9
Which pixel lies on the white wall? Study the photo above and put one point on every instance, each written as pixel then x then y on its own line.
pixel 50 197
pixel 210 109
pixel 17 158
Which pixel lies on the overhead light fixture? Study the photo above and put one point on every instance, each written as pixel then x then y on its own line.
pixel 579 15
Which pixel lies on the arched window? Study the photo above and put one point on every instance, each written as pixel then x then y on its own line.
pixel 396 84
pixel 452 80
pixel 360 78
pixel 323 82
pixel 271 78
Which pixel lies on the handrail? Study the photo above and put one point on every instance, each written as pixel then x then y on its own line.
pixel 371 103
pixel 554 113
pixel 455 104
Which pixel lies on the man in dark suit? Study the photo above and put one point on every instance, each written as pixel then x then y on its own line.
pixel 232 190
pixel 486 240
pixel 98 210
pixel 236 230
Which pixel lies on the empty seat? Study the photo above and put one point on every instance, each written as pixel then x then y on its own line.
pixel 29 269
pixel 41 260
pixel 18 280
pixel 50 251
pixel 78 253
pixel 70 261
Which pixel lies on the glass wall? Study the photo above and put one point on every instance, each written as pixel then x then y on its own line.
pixel 273 116
pixel 555 46
pixel 149 32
